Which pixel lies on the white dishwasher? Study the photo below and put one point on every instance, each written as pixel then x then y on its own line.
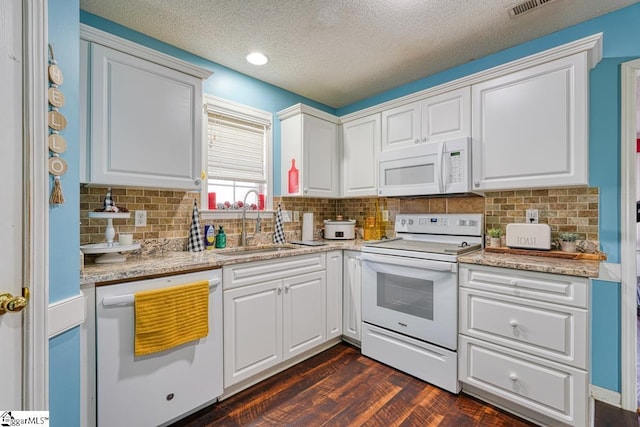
pixel 158 388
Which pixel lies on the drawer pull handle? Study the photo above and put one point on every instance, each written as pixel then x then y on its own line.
pixel 402 324
pixel 514 283
pixel 513 323
pixel 513 377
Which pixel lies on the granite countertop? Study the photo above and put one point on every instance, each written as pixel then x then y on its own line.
pixel 167 263
pixel 569 267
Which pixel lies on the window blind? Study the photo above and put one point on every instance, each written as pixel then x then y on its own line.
pixel 236 149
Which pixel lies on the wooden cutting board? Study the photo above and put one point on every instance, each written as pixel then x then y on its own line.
pixel 551 254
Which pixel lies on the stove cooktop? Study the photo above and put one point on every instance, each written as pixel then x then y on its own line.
pixel 427 247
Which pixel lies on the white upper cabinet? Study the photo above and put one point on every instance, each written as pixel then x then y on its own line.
pixel 436 118
pixel 360 148
pixel 530 127
pixel 144 121
pixel 309 153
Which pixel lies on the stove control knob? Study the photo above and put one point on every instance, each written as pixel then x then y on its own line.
pixel 403 222
pixel 462 222
pixel 472 223
pixel 410 222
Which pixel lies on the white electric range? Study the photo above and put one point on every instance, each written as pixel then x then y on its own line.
pixel 410 294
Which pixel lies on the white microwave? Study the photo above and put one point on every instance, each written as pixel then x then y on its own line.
pixel 442 167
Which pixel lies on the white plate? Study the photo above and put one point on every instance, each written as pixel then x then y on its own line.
pixel 112 215
pixel 103 248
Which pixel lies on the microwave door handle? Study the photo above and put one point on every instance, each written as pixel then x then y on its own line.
pixel 440 164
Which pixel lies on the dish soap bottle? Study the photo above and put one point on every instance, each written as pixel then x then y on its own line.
pixel 221 239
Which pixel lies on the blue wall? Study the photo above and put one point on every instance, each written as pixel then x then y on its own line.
pixel 64 230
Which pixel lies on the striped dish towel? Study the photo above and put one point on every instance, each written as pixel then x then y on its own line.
pixel 278 234
pixel 168 317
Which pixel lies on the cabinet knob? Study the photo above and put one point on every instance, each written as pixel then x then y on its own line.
pixel 286 289
pixel 417 141
pixel 513 377
pixel 513 323
pixel 279 290
pixel 424 139
pixel 476 183
pixel 306 190
pixel 197 182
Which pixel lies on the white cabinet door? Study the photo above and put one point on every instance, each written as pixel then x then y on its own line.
pixel 437 118
pixel 145 122
pixel 304 311
pixel 334 294
pixel 252 330
pixel 309 153
pixel 530 127
pixel 352 283
pixel 360 148
pixel 446 116
pixel 320 168
pixel 401 126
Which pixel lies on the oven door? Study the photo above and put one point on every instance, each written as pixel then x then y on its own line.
pixel 414 297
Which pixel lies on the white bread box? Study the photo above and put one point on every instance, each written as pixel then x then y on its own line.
pixel 529 236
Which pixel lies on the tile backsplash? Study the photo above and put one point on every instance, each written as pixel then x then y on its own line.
pixel 565 209
pixel 169 213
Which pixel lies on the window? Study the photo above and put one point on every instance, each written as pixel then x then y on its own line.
pixel 238 155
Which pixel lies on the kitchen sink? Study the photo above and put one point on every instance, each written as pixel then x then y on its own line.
pixel 252 250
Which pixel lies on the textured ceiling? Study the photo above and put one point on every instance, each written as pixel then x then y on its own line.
pixel 341 51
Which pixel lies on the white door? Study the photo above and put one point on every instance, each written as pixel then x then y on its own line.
pixel 360 148
pixel 252 330
pixel 11 196
pixel 304 313
pixel 447 116
pixel 401 126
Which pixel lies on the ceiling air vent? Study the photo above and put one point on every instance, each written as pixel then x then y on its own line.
pixel 527 6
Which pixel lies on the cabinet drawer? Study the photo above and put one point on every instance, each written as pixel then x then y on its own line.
pixel 555 288
pixel 555 390
pixel 261 271
pixel 552 331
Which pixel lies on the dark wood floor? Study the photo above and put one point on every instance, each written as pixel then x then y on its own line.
pixel 340 387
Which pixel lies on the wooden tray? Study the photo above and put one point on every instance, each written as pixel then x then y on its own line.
pixel 551 254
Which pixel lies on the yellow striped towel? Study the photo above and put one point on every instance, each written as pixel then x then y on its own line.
pixel 168 317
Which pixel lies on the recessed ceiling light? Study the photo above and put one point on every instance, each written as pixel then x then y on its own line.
pixel 257 58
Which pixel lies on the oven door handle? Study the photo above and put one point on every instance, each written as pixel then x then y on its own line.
pixel 423 264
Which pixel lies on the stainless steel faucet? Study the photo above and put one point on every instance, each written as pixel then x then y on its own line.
pixel 243 233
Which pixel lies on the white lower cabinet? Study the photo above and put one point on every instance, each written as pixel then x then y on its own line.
pixel 334 294
pixel 273 311
pixel 304 307
pixel 524 342
pixel 351 288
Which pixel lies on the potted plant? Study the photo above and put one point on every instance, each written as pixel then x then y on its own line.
pixel 568 242
pixel 494 237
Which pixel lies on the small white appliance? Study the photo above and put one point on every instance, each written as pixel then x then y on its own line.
pixel 442 167
pixel 529 236
pixel 340 229
pixel 410 295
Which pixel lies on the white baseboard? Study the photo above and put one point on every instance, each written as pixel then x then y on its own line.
pixel 605 395
pixel 66 314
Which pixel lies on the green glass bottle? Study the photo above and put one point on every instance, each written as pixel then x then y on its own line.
pixel 221 239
